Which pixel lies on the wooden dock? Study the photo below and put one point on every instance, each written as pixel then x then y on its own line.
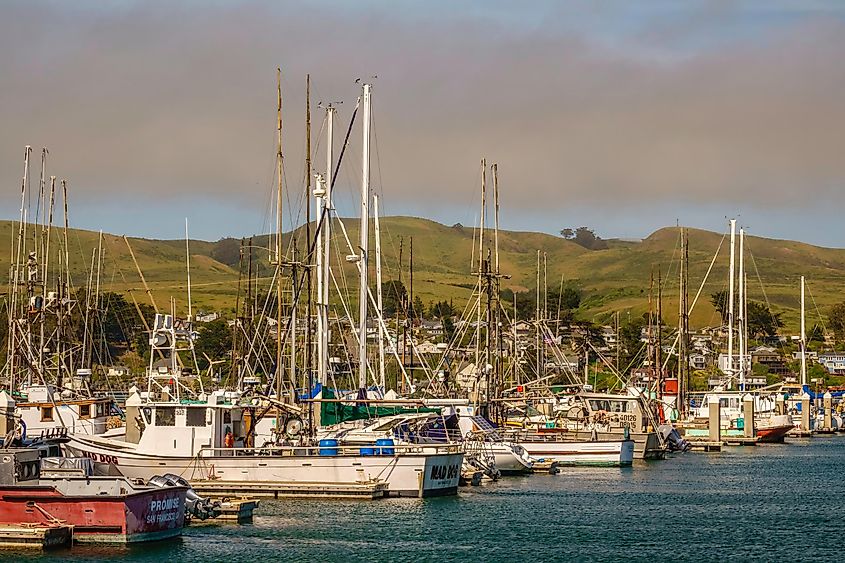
pixel 369 490
pixel 35 536
pixel 705 446
pixel 740 441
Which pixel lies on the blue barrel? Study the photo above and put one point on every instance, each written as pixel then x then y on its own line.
pixel 368 450
pixel 385 450
pixel 328 447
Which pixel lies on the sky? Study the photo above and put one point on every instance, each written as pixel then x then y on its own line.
pixel 621 116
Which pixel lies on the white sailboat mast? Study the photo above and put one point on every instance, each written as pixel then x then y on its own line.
pixel 324 204
pixel 188 269
pixel 730 366
pixel 364 242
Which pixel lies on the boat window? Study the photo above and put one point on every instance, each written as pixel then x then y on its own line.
pixel 196 416
pixel 165 416
pixel 46 414
pixel 724 402
pixel 610 405
pixel 84 411
pixel 227 417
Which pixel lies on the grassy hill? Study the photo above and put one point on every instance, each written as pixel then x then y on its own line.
pixel 614 279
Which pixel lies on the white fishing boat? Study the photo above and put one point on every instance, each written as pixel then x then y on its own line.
pixel 210 440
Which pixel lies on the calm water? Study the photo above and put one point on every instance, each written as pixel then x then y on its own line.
pixel 774 502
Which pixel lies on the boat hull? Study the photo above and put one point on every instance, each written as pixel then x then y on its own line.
pixel 154 514
pixel 423 474
pixel 609 453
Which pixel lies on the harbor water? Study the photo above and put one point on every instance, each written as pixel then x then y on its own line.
pixel 769 502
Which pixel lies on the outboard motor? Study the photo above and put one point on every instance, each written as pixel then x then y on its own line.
pixel 673 438
pixel 195 505
pixel 202 508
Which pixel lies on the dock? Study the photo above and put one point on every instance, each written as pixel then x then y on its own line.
pixel 740 441
pixel 705 446
pixel 35 536
pixel 368 490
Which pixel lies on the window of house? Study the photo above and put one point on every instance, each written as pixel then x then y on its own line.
pixel 196 416
pixel 165 416
pixel 46 414
pixel 84 411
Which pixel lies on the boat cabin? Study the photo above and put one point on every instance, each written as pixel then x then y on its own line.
pixel 185 427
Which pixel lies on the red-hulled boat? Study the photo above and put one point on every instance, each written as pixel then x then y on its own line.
pixel 101 509
pixel 774 429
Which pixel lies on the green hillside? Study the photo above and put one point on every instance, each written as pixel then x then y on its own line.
pixel 614 279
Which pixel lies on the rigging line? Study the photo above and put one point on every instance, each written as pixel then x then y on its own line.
pixel 816 306
pixel 765 296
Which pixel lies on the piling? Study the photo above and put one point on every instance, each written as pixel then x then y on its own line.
pixel 748 416
pixel 715 421
pixel 827 403
pixel 780 404
pixel 806 425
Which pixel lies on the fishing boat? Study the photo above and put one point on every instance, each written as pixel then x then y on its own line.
pixel 101 509
pixel 189 438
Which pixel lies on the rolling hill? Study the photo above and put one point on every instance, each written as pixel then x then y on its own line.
pixel 613 279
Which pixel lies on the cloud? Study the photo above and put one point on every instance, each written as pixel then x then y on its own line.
pixel 172 99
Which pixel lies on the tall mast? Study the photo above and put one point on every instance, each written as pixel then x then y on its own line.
pixel 658 352
pixel 741 310
pixel 478 365
pixel 323 193
pixel 683 325
pixel 379 294
pixel 732 283
pixel 309 259
pixel 803 339
pixel 280 173
pixel 364 243
pixel 496 216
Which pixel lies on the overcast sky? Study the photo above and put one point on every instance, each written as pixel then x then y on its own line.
pixel 624 116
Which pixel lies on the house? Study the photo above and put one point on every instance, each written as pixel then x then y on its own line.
pixel 698 361
pixel 834 363
pixel 206 317
pixel 769 357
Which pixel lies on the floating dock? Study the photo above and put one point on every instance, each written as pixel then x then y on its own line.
pixel 369 490
pixel 35 536
pixel 705 446
pixel 546 466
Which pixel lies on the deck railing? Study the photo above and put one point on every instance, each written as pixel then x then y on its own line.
pixel 348 450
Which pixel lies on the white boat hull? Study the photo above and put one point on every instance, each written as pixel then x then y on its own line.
pixel 614 453
pixel 427 472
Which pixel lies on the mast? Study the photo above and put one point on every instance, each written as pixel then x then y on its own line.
pixel 323 193
pixel 683 325
pixel 658 352
pixel 730 366
pixel 280 173
pixel 478 365
pixel 379 294
pixel 803 339
pixel 309 259
pixel 741 310
pixel 364 242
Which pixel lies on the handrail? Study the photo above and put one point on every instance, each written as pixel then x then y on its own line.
pixel 341 449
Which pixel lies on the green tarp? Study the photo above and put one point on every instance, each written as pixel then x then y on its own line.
pixel 334 413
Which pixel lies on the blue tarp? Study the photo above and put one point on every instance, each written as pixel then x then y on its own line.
pixel 834 394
